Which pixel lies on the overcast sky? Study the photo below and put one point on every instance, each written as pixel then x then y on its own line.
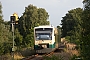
pixel 56 8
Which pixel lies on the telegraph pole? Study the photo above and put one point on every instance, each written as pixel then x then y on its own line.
pixel 13 49
pixel 14 21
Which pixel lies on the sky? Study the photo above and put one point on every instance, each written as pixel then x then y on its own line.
pixel 55 8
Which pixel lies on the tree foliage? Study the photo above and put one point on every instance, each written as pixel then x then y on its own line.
pixel 5 35
pixel 85 41
pixel 5 38
pixel 18 39
pixel 24 31
pixel 32 17
pixel 71 25
pixel 1 16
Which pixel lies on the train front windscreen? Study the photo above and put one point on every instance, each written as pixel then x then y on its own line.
pixel 43 34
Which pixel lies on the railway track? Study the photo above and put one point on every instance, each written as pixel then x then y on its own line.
pixel 40 56
pixel 37 56
pixel 60 51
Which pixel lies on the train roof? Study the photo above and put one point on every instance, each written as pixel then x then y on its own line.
pixel 45 26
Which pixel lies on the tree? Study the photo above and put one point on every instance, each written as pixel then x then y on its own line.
pixel 85 41
pixel 1 16
pixel 29 40
pixel 18 39
pixel 32 17
pixel 5 35
pixel 1 33
pixel 42 17
pixel 71 25
pixel 59 33
pixel 5 38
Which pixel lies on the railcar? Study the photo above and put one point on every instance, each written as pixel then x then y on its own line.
pixel 46 39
